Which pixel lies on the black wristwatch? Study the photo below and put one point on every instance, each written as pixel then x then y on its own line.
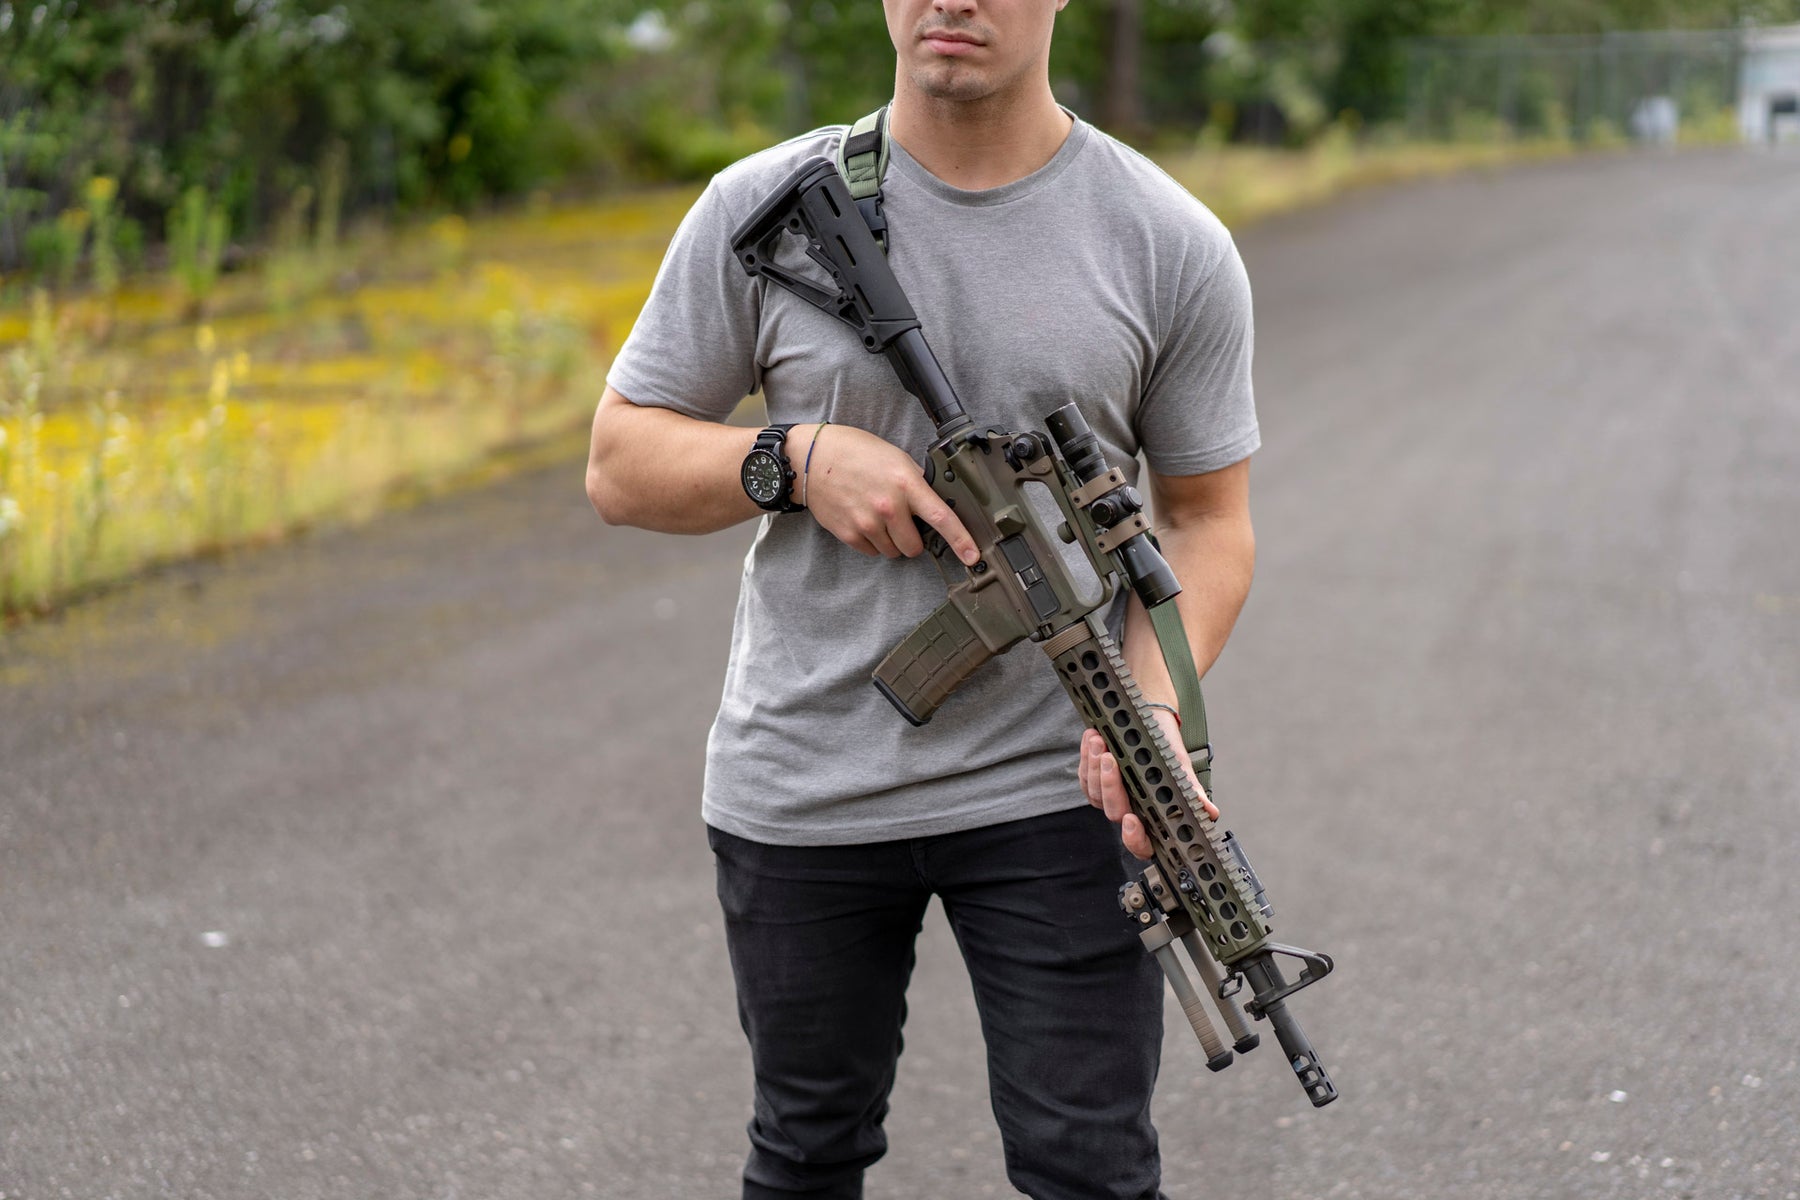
pixel 766 475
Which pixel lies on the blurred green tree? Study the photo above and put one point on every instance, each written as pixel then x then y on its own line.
pixel 405 104
pixel 439 103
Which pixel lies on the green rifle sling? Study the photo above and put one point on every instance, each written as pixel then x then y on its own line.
pixel 1171 636
pixel 862 156
pixel 862 159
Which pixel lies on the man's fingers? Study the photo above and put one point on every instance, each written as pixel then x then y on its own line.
pixel 1093 749
pixel 877 536
pixel 1082 758
pixel 1104 787
pixel 866 492
pixel 931 509
pixel 1118 807
pixel 1131 832
pixel 851 538
pixel 1112 790
pixel 904 530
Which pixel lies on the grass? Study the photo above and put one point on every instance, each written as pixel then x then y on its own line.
pixel 1246 184
pixel 139 424
pixel 132 433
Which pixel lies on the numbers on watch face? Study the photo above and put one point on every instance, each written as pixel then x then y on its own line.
pixel 763 476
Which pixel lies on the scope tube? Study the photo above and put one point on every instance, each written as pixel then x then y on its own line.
pixel 1140 561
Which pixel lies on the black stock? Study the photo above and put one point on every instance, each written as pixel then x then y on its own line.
pixel 1199 889
pixel 815 204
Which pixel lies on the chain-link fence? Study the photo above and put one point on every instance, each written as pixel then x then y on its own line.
pixel 1696 85
pixel 1651 86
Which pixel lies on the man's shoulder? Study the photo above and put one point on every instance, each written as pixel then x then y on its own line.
pixel 1146 189
pixel 748 181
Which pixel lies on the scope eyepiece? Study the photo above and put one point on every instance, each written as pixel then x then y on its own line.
pixel 1080 448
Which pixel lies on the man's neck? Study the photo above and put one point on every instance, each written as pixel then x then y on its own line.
pixel 979 144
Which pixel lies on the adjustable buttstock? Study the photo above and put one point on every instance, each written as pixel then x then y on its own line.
pixel 922 671
pixel 815 205
pixel 779 207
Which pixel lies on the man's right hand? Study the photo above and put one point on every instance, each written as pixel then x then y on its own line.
pixel 865 492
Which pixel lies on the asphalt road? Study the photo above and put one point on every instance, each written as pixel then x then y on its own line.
pixel 370 866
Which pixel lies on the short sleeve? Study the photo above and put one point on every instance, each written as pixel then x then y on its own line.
pixel 694 344
pixel 1198 411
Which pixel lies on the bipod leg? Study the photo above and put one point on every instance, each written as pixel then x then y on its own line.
pixel 1244 1039
pixel 1158 939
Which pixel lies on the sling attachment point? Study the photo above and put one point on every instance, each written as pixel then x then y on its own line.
pixel 862 159
pixel 1171 637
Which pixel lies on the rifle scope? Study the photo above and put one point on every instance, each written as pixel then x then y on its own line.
pixel 1142 562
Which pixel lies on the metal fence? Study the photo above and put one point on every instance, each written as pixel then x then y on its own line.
pixel 1644 85
pixel 1653 86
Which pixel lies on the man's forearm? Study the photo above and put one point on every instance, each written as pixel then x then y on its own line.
pixel 1213 556
pixel 658 469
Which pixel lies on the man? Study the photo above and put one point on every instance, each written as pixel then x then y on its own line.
pixel 1047 262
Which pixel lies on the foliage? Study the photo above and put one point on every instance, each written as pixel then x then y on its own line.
pixel 403 105
pixel 281 409
pixel 440 103
pixel 197 231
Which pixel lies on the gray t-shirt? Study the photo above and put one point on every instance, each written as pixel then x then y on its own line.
pixel 1096 279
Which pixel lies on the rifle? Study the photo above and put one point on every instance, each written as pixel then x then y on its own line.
pixel 1199 888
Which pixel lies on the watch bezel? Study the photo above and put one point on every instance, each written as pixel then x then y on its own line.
pixel 781 473
pixel 773 443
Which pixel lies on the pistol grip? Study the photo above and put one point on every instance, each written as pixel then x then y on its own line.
pixel 922 671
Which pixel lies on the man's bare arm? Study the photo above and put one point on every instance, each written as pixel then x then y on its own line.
pixel 1203 524
pixel 659 469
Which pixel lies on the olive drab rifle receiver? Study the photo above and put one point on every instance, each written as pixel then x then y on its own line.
pixel 1199 889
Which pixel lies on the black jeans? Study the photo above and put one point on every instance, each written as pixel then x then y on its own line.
pixel 821 941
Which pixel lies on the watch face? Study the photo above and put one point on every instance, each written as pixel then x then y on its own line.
pixel 763 476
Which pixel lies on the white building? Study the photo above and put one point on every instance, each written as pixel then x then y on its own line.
pixel 1769 85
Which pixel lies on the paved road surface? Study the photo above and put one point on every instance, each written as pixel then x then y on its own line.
pixel 370 866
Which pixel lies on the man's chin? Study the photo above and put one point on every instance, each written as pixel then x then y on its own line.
pixel 947 81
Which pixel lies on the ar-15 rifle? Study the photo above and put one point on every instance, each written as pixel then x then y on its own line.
pixel 1200 889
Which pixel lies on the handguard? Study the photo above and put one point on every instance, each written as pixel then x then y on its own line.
pixel 1199 889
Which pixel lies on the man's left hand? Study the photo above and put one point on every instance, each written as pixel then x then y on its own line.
pixel 1105 790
